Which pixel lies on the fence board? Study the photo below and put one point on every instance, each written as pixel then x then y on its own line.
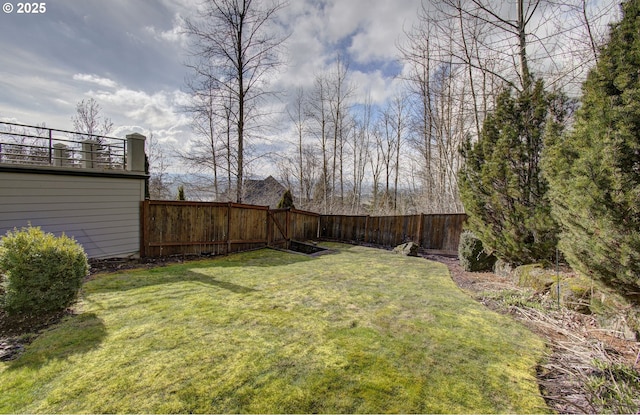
pixel 277 228
pixel 303 226
pixel 442 232
pixel 184 228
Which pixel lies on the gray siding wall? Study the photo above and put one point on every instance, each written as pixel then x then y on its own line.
pixel 101 211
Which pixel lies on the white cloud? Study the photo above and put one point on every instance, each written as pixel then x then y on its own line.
pixel 374 25
pixel 173 35
pixel 95 79
pixel 373 85
pixel 366 31
pixel 62 102
pixel 159 110
pixel 382 28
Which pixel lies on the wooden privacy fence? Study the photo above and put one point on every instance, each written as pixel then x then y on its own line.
pixel 439 233
pixel 200 228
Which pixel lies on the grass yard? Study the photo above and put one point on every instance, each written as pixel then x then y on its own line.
pixel 361 330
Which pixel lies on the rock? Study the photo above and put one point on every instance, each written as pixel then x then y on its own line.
pixel 534 276
pixel 503 269
pixel 575 293
pixel 472 255
pixel 407 249
pixel 10 349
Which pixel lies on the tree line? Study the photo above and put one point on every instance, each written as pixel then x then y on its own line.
pixel 346 154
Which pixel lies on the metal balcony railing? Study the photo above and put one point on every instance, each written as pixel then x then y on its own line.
pixel 41 146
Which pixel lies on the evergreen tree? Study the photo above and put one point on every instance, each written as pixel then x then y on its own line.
pixel 594 170
pixel 286 201
pixel 181 193
pixel 501 185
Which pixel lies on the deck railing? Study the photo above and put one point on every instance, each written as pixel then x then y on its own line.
pixel 41 146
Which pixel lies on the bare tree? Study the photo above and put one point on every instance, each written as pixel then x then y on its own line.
pixel 91 125
pixel 376 163
pixel 399 122
pixel 89 121
pixel 360 144
pixel 298 116
pixel 158 185
pixel 386 146
pixel 340 90
pixel 319 113
pixel 440 116
pixel 237 48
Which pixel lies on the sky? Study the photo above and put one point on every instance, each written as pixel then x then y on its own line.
pixel 130 57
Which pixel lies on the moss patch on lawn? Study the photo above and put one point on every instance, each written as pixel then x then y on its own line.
pixel 358 331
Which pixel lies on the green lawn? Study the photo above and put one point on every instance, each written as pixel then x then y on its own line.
pixel 361 330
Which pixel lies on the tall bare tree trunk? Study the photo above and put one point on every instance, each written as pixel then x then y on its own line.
pixel 232 38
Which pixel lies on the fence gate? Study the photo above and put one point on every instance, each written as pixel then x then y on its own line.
pixel 278 228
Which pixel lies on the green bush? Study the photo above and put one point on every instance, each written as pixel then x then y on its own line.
pixel 472 255
pixel 41 273
pixel 501 184
pixel 593 167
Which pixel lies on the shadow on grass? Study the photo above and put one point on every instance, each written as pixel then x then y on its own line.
pixel 190 272
pixel 225 285
pixel 75 335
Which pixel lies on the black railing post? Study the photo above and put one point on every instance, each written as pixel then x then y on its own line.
pixel 50 148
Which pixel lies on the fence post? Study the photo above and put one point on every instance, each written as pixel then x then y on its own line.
pixel 420 229
pixel 228 227
pixel 287 229
pixel 366 228
pixel 135 152
pixel 269 227
pixel 51 146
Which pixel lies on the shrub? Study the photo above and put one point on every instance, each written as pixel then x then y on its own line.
pixel 501 183
pixel 593 168
pixel 41 273
pixel 472 254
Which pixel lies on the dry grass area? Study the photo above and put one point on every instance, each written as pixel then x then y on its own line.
pixel 589 369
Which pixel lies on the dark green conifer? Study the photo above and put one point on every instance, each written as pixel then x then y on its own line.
pixel 594 169
pixel 286 201
pixel 181 193
pixel 501 185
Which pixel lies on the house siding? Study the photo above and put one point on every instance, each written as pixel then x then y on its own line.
pixel 101 211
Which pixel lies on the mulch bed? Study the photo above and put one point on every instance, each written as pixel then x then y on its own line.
pixel 18 331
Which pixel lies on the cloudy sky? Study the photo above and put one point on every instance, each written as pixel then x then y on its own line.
pixel 130 55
